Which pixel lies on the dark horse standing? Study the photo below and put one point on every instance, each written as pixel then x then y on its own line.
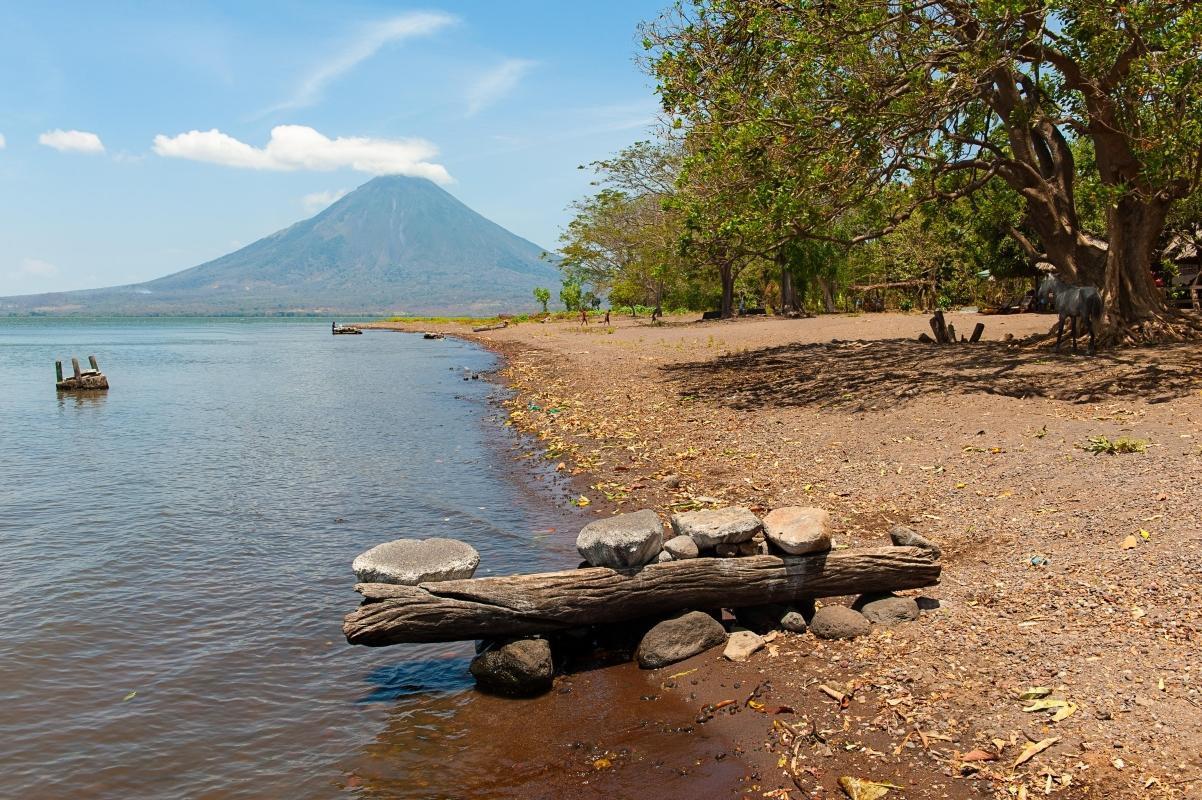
pixel 1073 302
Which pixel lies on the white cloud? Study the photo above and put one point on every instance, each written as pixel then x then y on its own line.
pixel 3 142
pixel 373 37
pixel 316 201
pixel 296 147
pixel 37 268
pixel 72 141
pixel 496 83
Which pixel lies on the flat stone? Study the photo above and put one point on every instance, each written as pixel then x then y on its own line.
pixel 682 547
pixel 771 617
pixel 887 608
pixel 798 530
pixel 741 644
pixel 517 668
pixel 414 561
pixel 622 541
pixel 905 537
pixel 714 526
pixel 678 638
pixel 839 622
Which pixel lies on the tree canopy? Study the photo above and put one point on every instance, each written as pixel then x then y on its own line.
pixel 842 119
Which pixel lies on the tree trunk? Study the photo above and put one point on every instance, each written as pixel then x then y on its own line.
pixel 1136 310
pixel 727 274
pixel 519 605
pixel 789 303
pixel 828 295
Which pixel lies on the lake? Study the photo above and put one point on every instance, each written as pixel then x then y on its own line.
pixel 175 552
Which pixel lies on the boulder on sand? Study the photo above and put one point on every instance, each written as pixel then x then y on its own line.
pixel 414 561
pixel 711 527
pixel 798 530
pixel 622 541
pixel 887 608
pixel 839 622
pixel 516 668
pixel 678 638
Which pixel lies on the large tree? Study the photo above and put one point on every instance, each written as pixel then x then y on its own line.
pixel 863 102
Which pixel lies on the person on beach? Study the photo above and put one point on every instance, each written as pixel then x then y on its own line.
pixel 607 316
pixel 583 317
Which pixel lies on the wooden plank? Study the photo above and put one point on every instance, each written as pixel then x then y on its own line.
pixel 520 605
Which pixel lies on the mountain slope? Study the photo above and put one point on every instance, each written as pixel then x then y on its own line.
pixel 395 244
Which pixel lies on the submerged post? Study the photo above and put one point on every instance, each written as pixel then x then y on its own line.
pixel 92 361
pixel 75 366
pixel 58 371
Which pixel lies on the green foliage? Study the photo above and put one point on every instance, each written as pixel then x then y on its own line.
pixel 1123 444
pixel 976 135
pixel 571 295
pixel 543 296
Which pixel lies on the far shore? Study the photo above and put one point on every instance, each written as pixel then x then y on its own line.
pixel 983 448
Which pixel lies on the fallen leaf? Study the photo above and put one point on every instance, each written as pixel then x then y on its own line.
pixel 1130 543
pixel 583 501
pixel 1144 534
pixel 1046 705
pixel 1138 612
pixel 1035 692
pixel 602 763
pixel 979 755
pixel 129 697
pixel 860 789
pixel 1035 748
pixel 1064 713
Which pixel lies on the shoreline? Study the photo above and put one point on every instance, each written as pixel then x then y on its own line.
pixel 976 446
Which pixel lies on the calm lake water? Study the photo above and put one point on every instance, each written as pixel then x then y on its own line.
pixel 187 536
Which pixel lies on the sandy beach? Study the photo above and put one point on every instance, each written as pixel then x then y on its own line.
pixel 1063 568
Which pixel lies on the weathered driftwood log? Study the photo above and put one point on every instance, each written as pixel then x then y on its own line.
pixel 520 605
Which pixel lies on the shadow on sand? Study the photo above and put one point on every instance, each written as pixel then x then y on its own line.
pixel 880 374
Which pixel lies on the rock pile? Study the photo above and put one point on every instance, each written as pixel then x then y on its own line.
pixel 628 543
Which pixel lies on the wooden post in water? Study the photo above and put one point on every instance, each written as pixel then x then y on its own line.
pixel 92 361
pixel 75 366
pixel 58 371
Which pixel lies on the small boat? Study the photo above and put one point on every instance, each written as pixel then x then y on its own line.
pixel 342 330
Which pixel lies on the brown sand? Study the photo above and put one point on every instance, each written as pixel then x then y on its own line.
pixel 979 447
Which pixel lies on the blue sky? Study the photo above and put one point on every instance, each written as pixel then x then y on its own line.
pixel 144 138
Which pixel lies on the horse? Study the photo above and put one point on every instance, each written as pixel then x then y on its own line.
pixel 1073 302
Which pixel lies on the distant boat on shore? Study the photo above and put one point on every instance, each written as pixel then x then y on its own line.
pixel 342 330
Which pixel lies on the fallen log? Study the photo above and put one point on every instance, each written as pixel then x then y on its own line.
pixel 520 605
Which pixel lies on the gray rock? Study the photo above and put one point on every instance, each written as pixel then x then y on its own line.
pixel 798 530
pixel 712 527
pixel 839 622
pixel 517 668
pixel 414 561
pixel 679 638
pixel 672 481
pixel 682 547
pixel 626 540
pixel 794 622
pixel 927 603
pixel 663 556
pixel 741 645
pixel 905 537
pixel 887 608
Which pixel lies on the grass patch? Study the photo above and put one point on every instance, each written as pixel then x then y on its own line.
pixel 1123 444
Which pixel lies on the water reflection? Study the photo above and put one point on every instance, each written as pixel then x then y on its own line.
pixel 81 399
